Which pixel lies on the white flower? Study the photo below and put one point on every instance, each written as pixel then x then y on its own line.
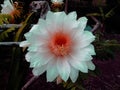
pixel 60 46
pixel 7 7
pixel 57 1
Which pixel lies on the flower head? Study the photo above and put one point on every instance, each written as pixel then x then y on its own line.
pixel 60 46
pixel 7 7
pixel 11 9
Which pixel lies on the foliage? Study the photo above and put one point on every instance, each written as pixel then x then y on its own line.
pixel 5 33
pixel 105 48
pixel 4 18
pixel 16 75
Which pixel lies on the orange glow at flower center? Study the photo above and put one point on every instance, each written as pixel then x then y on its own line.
pixel 60 44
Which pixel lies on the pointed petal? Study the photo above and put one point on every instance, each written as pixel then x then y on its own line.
pixel 90 49
pixel 84 39
pixel 56 17
pixel 70 24
pixel 35 28
pixel 24 44
pixel 52 72
pixel 72 15
pixel 82 55
pixel 42 28
pixel 40 59
pixel 49 16
pixel 7 7
pixel 74 74
pixel 82 23
pixel 29 55
pixel 32 48
pixel 90 65
pixel 77 64
pixel 59 17
pixel 63 68
pixel 39 70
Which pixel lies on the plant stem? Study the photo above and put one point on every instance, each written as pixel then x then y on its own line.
pixel 29 82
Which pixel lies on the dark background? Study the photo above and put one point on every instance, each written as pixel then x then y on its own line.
pixel 109 79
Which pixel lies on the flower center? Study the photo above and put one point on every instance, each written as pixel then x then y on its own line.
pixel 60 44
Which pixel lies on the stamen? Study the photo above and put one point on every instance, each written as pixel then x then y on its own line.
pixel 60 44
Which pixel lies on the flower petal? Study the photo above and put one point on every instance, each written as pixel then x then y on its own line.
pixel 52 72
pixel 72 15
pixel 55 18
pixel 24 44
pixel 29 55
pixel 39 70
pixel 84 54
pixel 74 74
pixel 90 65
pixel 90 49
pixel 84 39
pixel 63 68
pixel 57 1
pixel 7 7
pixel 70 24
pixel 82 23
pixel 39 59
pixel 32 48
pixel 82 66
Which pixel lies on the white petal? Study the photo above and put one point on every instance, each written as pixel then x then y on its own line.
pixel 42 26
pixel 56 17
pixel 70 24
pixel 90 49
pixel 33 48
pixel 34 63
pixel 34 27
pixel 36 39
pixel 29 55
pixel 90 65
pixel 82 66
pixel 84 39
pixel 84 54
pixel 39 70
pixel 59 17
pixel 58 1
pixel 74 74
pixel 24 44
pixel 7 7
pixel 55 23
pixel 49 16
pixel 52 72
pixel 82 23
pixel 72 15
pixel 38 47
pixel 6 10
pixel 37 31
pixel 39 59
pixel 29 37
pixel 63 69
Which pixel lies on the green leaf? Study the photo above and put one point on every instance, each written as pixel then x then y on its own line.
pixel 110 13
pixel 5 33
pixel 4 18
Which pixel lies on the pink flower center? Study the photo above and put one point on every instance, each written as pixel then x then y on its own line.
pixel 60 44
